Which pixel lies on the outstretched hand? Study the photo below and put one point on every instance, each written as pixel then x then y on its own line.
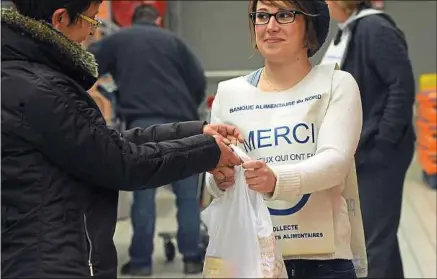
pixel 227 133
pixel 227 156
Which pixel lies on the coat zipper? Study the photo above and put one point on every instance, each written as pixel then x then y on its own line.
pixel 90 264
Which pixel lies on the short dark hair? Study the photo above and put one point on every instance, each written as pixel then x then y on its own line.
pixel 145 12
pixel 44 9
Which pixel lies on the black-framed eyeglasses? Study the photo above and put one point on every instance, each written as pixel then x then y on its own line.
pixel 282 17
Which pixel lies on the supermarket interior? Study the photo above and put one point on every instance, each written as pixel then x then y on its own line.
pixel 225 52
pixel 417 233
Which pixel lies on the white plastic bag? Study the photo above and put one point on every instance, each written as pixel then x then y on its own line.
pixel 241 239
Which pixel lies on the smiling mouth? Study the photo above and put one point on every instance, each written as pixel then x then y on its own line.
pixel 273 40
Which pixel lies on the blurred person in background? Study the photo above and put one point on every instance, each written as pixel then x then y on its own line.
pixel 159 80
pixel 61 167
pixel 371 47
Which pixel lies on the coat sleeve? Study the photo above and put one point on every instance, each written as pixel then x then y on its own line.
pixel 158 133
pixel 389 57
pixel 69 134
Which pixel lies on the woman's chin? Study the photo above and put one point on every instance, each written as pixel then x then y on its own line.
pixel 274 55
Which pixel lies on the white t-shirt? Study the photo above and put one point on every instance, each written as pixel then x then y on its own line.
pixel 308 135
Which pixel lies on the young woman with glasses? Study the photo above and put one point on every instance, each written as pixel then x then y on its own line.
pixel 301 126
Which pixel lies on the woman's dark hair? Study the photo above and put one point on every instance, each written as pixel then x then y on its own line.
pixel 44 9
pixel 305 6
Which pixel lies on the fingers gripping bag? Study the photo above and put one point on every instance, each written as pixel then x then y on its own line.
pixel 241 239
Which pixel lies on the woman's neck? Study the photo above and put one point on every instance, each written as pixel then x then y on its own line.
pixel 283 76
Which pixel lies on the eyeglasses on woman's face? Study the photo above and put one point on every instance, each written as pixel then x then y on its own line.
pixel 96 23
pixel 282 17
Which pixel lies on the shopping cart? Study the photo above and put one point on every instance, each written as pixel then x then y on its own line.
pixel 168 237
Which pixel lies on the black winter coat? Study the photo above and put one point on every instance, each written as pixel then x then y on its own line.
pixel 378 59
pixel 62 167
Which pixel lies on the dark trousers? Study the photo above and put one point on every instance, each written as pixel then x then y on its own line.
pixel 143 216
pixel 314 269
pixel 380 184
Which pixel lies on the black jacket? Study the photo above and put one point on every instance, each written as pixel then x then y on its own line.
pixel 62 168
pixel 378 59
pixel 156 74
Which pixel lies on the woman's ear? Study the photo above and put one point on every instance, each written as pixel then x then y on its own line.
pixel 60 19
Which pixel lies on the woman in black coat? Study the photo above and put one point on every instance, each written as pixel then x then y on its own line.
pixel 371 47
pixel 62 167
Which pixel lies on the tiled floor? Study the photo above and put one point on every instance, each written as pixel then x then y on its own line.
pixel 417 232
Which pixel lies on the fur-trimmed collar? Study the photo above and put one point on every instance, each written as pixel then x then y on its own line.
pixel 43 32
